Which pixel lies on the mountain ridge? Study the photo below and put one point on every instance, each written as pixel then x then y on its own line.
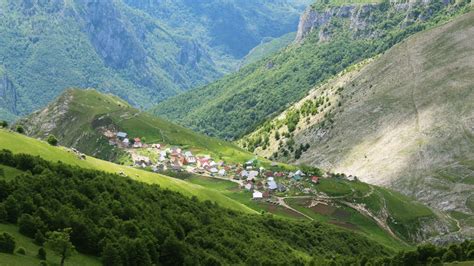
pixel 234 105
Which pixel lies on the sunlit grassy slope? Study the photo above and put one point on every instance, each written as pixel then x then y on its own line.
pixel 77 116
pixel 21 144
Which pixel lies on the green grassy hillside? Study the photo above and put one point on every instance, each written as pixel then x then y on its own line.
pixel 342 36
pixel 77 117
pixel 22 144
pixel 402 120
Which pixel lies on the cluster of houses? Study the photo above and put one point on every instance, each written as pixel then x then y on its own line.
pixel 122 140
pixel 178 160
pixel 261 182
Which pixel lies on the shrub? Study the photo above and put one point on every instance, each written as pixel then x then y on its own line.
pixel 20 129
pixel 21 251
pixel 39 238
pixel 29 225
pixel 41 254
pixel 449 256
pixel 52 140
pixel 7 243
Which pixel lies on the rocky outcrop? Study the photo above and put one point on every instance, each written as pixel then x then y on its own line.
pixel 8 94
pixel 191 54
pixel 109 34
pixel 359 17
pixel 314 19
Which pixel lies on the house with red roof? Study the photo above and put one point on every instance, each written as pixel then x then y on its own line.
pixel 137 143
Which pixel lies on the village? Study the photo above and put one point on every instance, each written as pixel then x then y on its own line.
pixel 250 175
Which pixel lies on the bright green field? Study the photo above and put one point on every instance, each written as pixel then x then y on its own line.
pixel 21 144
pixel 230 189
pixel 32 249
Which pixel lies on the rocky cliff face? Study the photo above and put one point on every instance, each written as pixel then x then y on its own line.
pixel 191 53
pixel 109 34
pixel 8 94
pixel 312 19
pixel 359 17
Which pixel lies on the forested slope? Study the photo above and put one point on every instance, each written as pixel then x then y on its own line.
pixel 330 38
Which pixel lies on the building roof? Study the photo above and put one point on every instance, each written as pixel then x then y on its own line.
pixel 272 185
pixel 299 172
pixel 122 135
pixel 257 194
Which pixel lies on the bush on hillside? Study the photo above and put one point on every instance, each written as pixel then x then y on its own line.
pixel 20 129
pixel 21 250
pixel 39 238
pixel 52 140
pixel 42 254
pixel 7 243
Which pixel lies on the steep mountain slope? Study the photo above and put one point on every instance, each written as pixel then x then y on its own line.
pixel 78 118
pixel 404 120
pixel 331 37
pixel 142 51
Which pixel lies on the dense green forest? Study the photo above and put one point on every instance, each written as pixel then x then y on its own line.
pixel 130 223
pixel 236 104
